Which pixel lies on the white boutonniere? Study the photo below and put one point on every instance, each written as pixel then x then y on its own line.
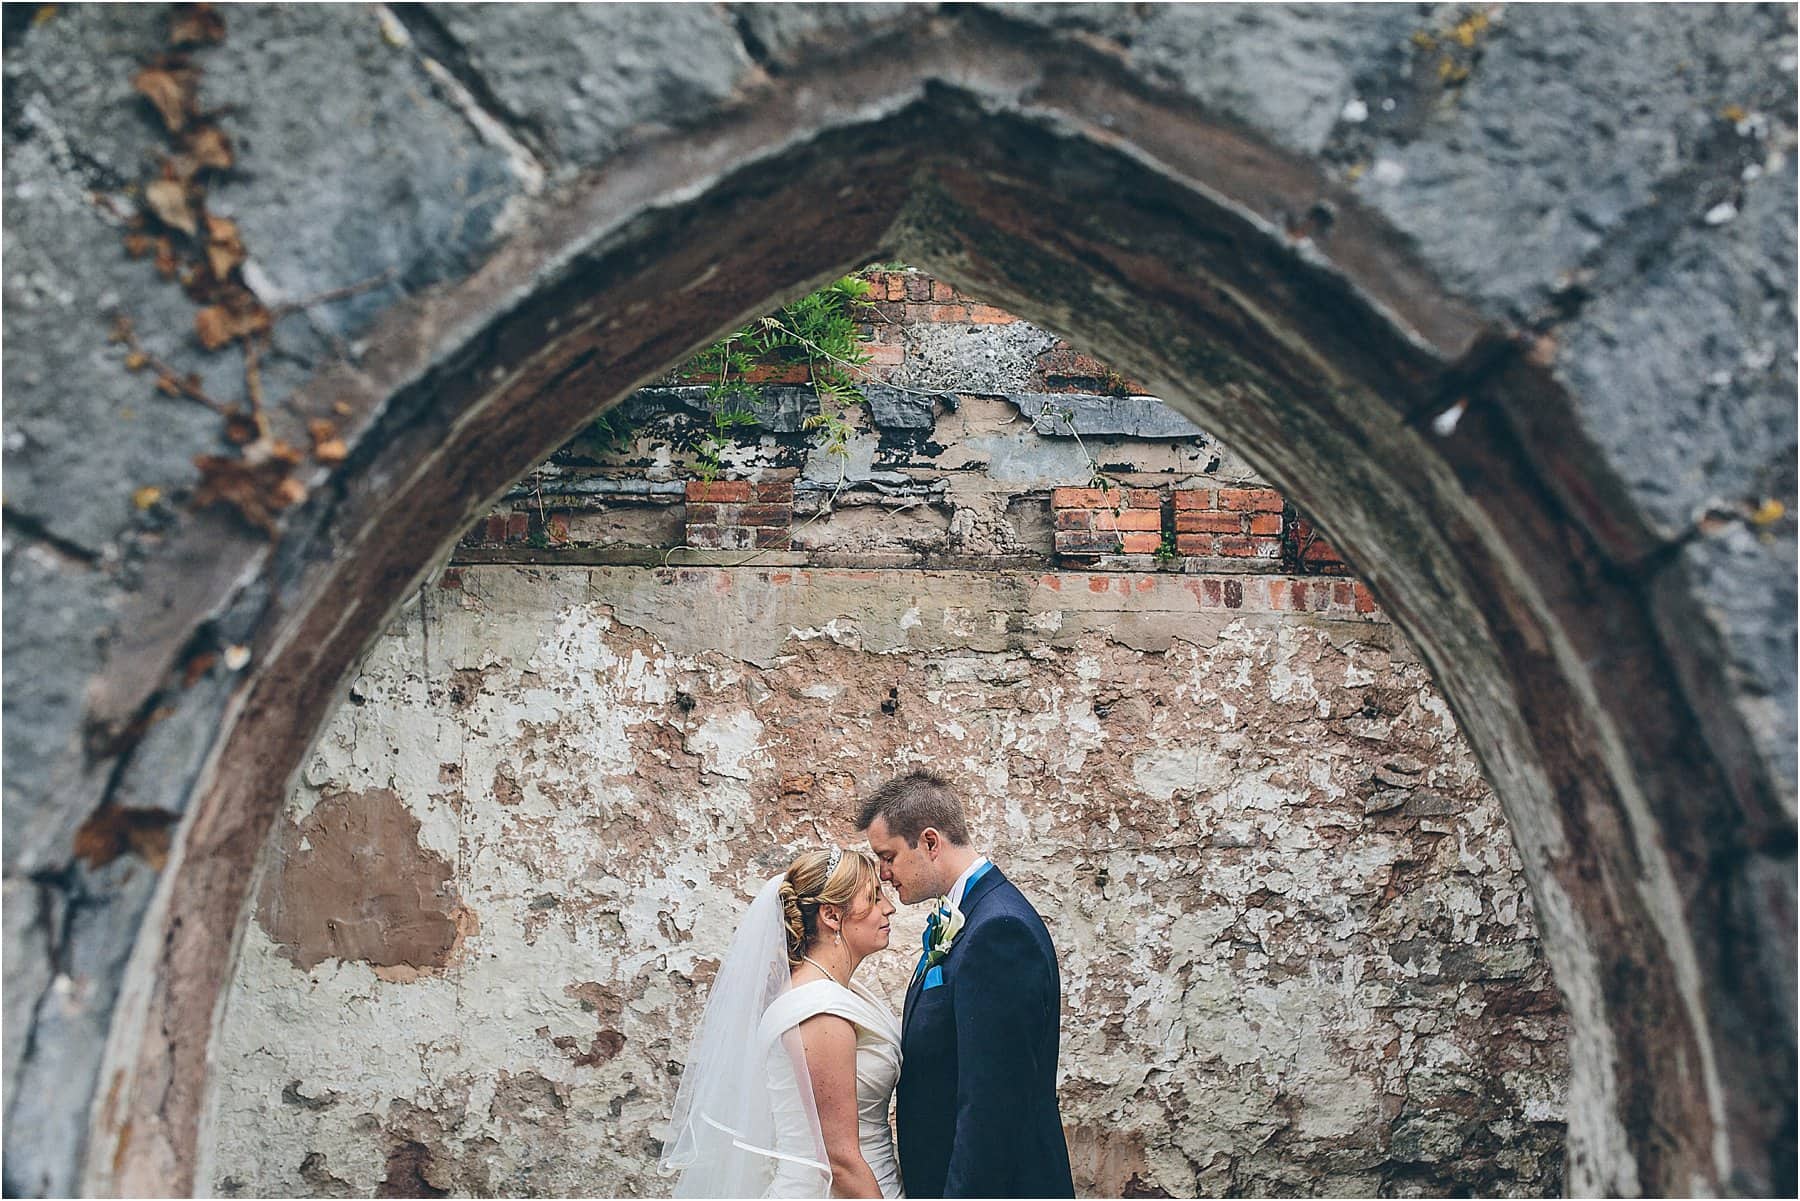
pixel 942 935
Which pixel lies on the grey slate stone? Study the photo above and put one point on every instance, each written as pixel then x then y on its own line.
pixel 27 956
pixel 585 74
pixel 72 410
pixel 1055 414
pixel 1684 371
pixel 1570 122
pixel 54 621
pixel 898 409
pixel 778 409
pixel 1729 599
pixel 74 88
pixel 427 192
pixel 73 1018
pixel 779 34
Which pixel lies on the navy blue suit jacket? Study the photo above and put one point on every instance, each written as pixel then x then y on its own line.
pixel 977 1111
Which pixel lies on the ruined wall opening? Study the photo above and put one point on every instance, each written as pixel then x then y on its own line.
pixel 1454 441
pixel 1297 946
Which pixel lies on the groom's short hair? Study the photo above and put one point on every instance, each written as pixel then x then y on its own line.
pixel 909 804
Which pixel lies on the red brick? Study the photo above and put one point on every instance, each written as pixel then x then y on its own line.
pixel 729 491
pixel 1130 519
pixel 1320 551
pixel 885 354
pixel 1265 523
pixel 765 515
pixel 1343 596
pixel 496 528
pixel 1256 500
pixel 1194 498
pixel 1074 519
pixel 558 527
pixel 518 525
pixel 1212 592
pixel 1365 600
pixel 917 286
pixel 1297 594
pixel 1077 542
pixel 1194 544
pixel 451 579
pixel 1208 521
pixel 1143 498
pixel 1080 498
pixel 947 314
pixel 773 537
pixel 896 286
pixel 987 314
pixel 1249 548
pixel 703 515
pixel 1234 594
pixel 941 291
pixel 774 491
pixel 726 537
pixel 1140 543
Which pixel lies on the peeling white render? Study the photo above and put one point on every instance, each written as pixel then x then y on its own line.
pixel 1297 951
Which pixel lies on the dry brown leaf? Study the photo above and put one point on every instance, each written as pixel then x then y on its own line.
pixel 166 262
pixel 209 147
pixel 168 200
pixel 168 91
pixel 224 248
pixel 331 451
pixel 168 385
pixel 137 360
pixel 341 408
pixel 218 325
pixel 321 430
pixel 198 666
pixel 196 25
pixel 139 245
pixel 146 496
pixel 258 491
pixel 240 428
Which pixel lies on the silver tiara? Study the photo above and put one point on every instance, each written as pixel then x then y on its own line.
pixel 837 856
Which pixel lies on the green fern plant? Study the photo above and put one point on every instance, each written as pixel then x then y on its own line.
pixel 820 330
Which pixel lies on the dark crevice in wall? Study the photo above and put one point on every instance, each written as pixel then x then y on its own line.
pixel 434 41
pixel 22 525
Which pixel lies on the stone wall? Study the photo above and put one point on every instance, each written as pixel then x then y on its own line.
pixel 1507 292
pixel 1297 950
pixel 1298 957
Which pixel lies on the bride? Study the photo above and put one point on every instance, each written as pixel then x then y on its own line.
pixel 786 1088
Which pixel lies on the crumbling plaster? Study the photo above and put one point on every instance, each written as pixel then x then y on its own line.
pixel 1297 951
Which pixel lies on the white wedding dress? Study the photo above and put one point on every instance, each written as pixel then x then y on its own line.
pixel 877 1072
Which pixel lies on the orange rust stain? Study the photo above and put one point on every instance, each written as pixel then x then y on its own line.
pixel 1099 584
pixel 1052 582
pixel 118 1159
pixel 1146 583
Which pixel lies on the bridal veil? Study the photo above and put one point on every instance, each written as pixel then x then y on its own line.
pixel 744 1120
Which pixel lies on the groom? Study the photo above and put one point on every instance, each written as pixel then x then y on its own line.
pixel 977 1099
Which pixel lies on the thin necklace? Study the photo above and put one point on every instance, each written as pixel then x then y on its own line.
pixel 824 969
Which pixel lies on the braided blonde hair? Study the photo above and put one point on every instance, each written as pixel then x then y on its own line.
pixel 811 881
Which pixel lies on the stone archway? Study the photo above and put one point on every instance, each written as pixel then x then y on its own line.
pixel 1147 191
